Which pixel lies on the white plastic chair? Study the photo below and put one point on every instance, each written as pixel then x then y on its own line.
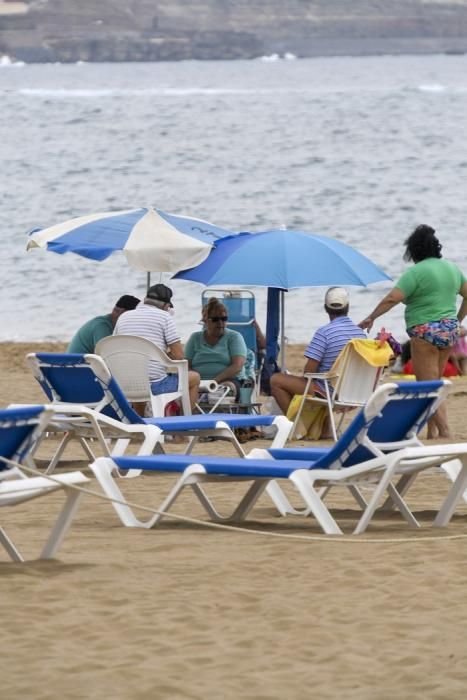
pixel 348 384
pixel 128 357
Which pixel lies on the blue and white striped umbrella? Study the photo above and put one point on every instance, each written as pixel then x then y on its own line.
pixel 151 240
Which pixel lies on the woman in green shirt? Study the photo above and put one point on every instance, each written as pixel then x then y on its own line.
pixel 429 290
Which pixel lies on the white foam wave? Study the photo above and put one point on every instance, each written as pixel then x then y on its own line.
pixel 64 93
pixel 432 87
pixel 7 62
pixel 271 58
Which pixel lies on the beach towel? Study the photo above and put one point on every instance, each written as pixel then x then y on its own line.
pixel 310 424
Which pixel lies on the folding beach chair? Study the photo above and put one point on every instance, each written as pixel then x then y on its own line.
pixel 354 461
pixel 89 403
pixel 349 383
pixel 241 309
pixel 19 430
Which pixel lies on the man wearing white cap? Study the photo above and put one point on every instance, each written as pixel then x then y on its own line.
pixel 322 349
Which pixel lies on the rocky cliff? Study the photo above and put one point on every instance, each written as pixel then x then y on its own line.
pixel 145 30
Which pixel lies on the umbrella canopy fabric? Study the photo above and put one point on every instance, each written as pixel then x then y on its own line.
pixel 284 259
pixel 150 239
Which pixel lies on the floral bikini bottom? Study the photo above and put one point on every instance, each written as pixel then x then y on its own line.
pixel 441 334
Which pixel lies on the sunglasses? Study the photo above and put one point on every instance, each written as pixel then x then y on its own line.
pixel 215 319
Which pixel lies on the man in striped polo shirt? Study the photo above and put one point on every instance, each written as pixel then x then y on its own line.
pixel 322 349
pixel 151 320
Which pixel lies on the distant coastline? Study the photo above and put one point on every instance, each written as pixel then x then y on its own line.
pixel 172 30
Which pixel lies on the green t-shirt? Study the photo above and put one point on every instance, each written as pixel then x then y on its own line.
pixel 86 338
pixel 211 360
pixel 430 288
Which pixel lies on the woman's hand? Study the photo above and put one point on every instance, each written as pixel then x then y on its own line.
pixel 366 324
pixel 395 296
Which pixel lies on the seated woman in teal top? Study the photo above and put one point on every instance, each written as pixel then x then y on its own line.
pixel 217 352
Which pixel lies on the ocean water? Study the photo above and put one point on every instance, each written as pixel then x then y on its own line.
pixel 362 149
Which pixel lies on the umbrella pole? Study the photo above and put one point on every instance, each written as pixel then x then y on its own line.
pixel 282 305
pixel 148 280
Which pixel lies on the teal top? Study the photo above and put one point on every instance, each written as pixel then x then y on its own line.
pixel 87 337
pixel 430 288
pixel 211 360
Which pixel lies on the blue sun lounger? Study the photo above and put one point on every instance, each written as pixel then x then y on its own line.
pixel 19 430
pixel 354 461
pixel 89 403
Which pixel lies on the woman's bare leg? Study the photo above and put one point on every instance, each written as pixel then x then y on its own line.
pixel 428 364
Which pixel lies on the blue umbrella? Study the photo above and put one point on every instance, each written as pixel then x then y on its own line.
pixel 150 239
pixel 284 259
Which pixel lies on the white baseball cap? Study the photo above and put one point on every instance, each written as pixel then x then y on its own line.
pixel 336 298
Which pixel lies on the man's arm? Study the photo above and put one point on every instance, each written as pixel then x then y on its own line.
pixel 175 351
pixel 311 366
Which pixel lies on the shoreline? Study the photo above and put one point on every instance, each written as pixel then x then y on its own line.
pixel 22 60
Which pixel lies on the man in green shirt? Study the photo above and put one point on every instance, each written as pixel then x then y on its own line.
pixel 86 338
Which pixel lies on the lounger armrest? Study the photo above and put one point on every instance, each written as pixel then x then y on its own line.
pixel 325 376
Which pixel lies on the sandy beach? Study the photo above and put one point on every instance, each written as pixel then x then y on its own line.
pixel 271 610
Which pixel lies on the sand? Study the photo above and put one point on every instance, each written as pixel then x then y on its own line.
pixel 184 611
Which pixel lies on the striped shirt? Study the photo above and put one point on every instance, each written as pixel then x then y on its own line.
pixel 152 323
pixel 329 340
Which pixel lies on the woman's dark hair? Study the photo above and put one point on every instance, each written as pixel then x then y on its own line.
pixel 422 243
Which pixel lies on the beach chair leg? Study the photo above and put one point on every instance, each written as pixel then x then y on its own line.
pixel 402 486
pixel 281 501
pixel 120 447
pixel 61 449
pixel 452 469
pixel 396 497
pixel 189 478
pixel 301 478
pixel 86 449
pixel 284 431
pixel 191 445
pixel 102 469
pixel 9 546
pixel 374 500
pixel 357 494
pixel 248 500
pixel 58 453
pixel 240 512
pixel 62 524
pixel 455 494
pixel 205 501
